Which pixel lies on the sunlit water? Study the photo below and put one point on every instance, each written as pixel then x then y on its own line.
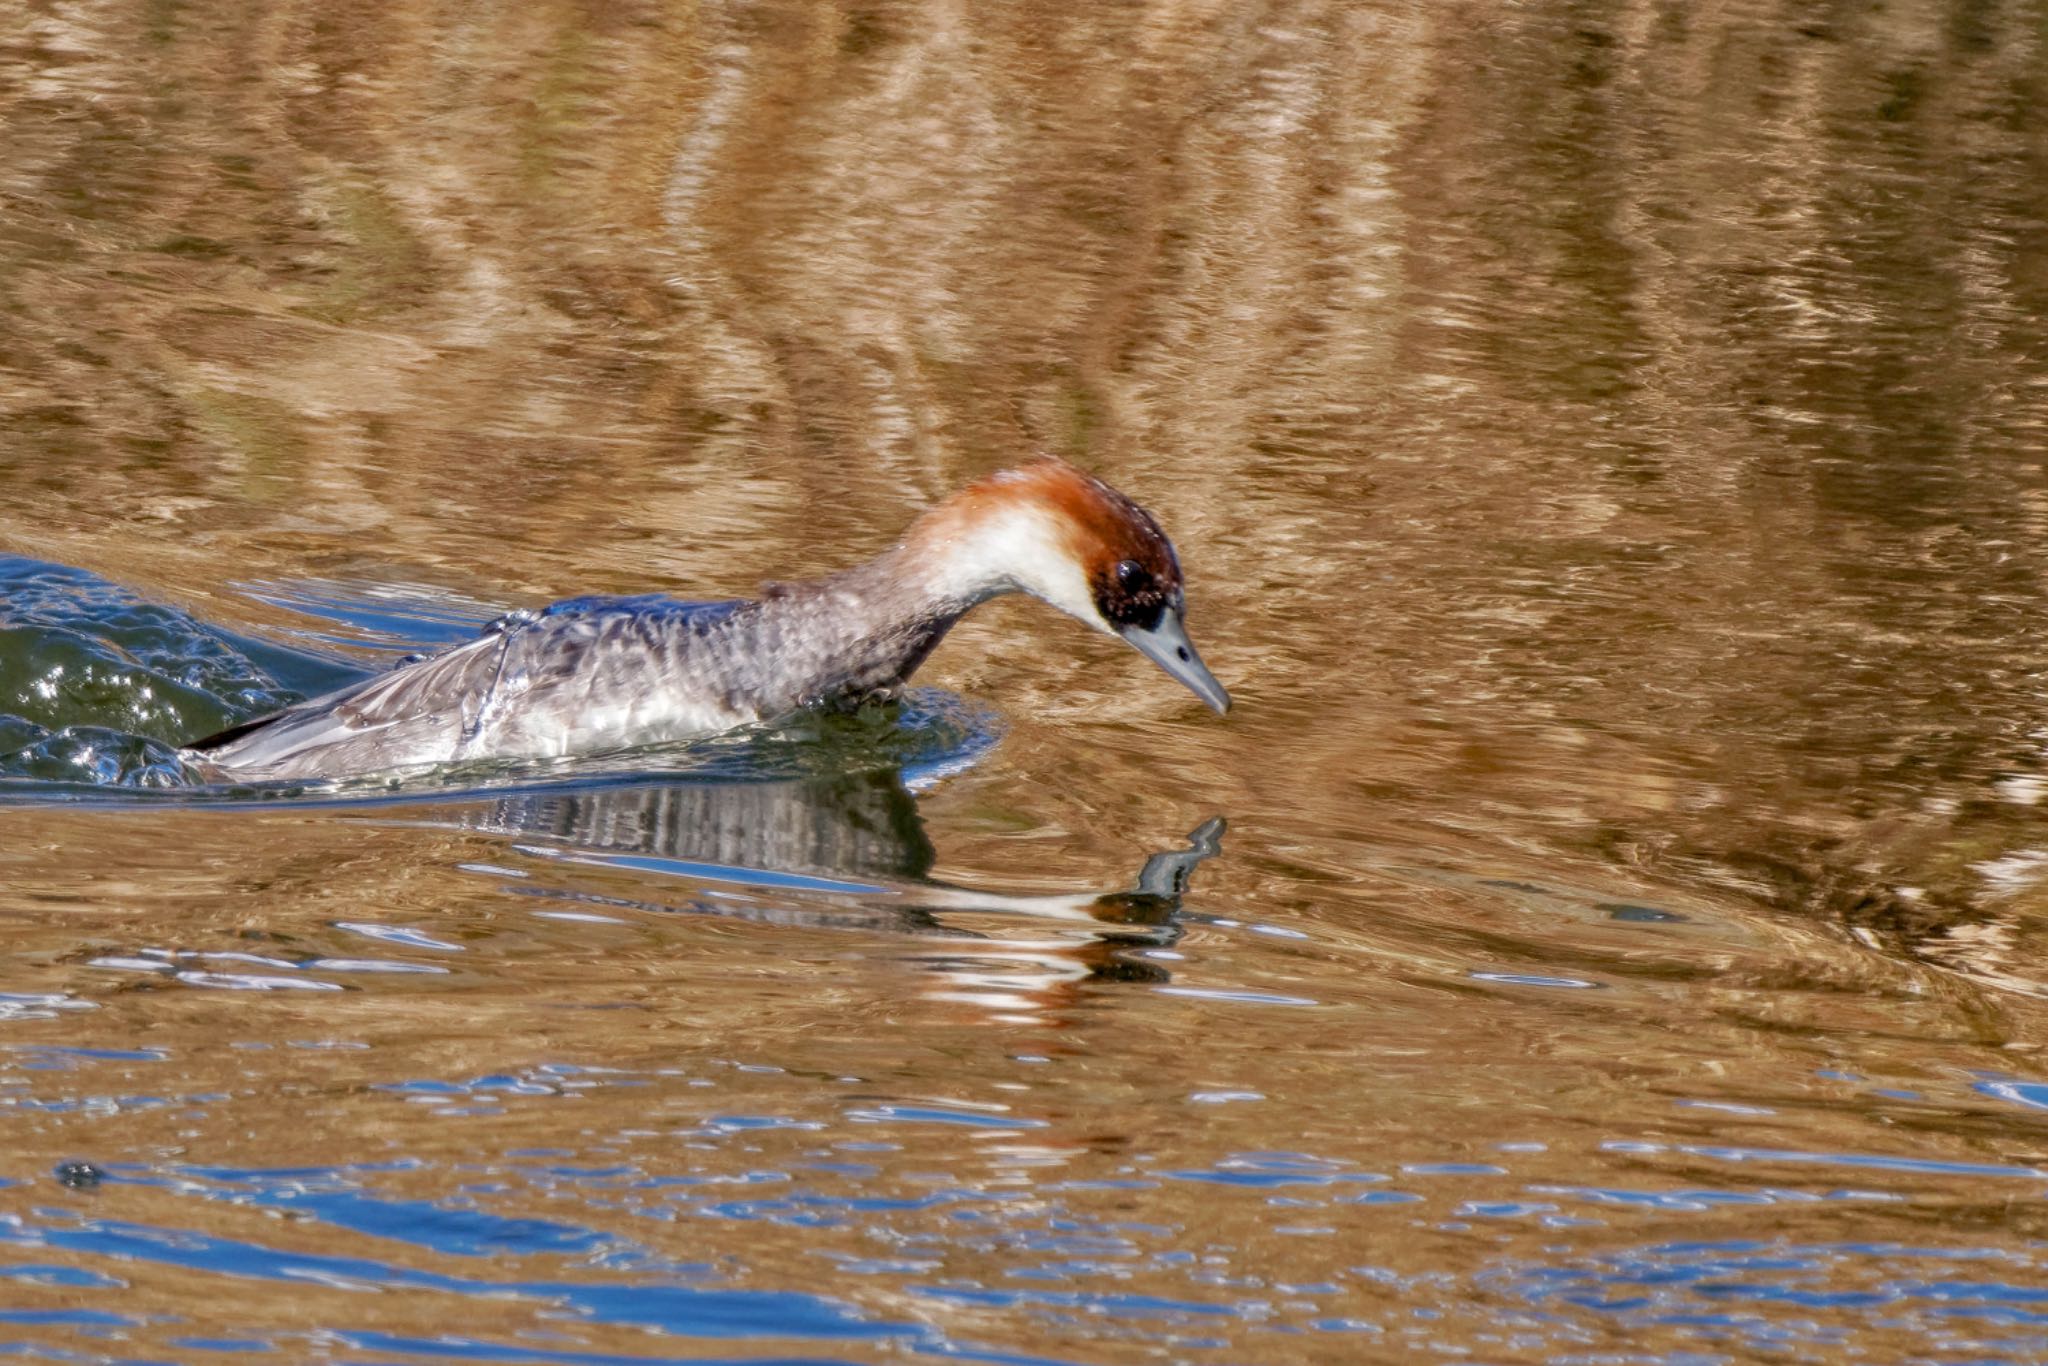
pixel 1609 449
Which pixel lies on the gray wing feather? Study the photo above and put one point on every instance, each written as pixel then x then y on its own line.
pixel 390 714
pixel 424 712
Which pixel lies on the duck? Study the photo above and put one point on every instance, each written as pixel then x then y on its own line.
pixel 599 675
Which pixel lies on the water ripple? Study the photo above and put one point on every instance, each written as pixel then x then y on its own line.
pixel 686 1311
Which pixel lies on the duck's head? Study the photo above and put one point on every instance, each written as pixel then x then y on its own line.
pixel 1068 539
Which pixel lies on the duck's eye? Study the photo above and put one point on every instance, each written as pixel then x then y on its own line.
pixel 1133 577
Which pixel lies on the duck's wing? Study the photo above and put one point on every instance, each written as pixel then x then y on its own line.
pixel 422 711
pixel 384 721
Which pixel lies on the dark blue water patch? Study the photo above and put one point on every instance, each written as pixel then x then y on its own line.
pixel 44 1056
pixel 508 1354
pixel 334 1199
pixel 684 1311
pixel 470 1349
pixel 68 1318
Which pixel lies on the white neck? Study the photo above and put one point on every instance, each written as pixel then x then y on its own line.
pixel 1013 548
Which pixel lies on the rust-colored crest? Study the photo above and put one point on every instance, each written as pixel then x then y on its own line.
pixel 1130 565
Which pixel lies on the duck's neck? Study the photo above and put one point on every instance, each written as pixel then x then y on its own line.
pixel 867 629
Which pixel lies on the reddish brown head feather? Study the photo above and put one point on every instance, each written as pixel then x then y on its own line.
pixel 1102 527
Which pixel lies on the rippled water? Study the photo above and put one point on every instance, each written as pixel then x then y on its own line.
pixel 1608 443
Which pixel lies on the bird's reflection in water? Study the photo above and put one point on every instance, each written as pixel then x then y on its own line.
pixel 847 852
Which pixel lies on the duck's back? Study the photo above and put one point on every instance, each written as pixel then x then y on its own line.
pixel 582 676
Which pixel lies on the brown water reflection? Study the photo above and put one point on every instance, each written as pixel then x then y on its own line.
pixel 1607 445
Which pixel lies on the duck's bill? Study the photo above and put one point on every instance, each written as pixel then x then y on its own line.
pixel 1167 646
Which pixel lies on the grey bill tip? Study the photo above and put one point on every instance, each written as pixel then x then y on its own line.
pixel 1167 646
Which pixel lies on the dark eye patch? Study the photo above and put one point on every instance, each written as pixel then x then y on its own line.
pixel 1131 595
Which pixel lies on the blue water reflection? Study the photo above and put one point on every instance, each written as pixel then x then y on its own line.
pixel 685 1311
pixel 560 1228
pixel 337 1198
pixel 1065 1263
pixel 1711 1287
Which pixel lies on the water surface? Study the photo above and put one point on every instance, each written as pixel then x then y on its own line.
pixel 1606 442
